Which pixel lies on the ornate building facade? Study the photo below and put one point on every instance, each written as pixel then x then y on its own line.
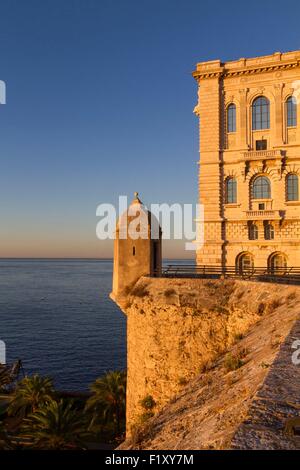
pixel 250 161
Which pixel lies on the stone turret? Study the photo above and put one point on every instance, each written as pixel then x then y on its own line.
pixel 137 247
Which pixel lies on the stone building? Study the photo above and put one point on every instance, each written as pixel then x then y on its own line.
pixel 137 247
pixel 250 161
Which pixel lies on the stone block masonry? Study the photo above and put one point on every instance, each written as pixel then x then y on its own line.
pixel 232 342
pixel 238 149
pixel 176 328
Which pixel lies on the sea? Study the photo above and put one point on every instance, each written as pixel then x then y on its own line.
pixel 57 317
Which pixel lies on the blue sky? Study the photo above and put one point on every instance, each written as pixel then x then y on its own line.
pixel 99 103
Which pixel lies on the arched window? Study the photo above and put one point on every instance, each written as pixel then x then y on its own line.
pixel 269 231
pixel 277 263
pixel 253 231
pixel 231 118
pixel 291 112
pixel 261 188
pixel 244 263
pixel 231 192
pixel 292 187
pixel 260 113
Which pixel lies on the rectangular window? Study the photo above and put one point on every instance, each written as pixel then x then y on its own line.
pixel 291 111
pixel 231 118
pixel 261 206
pixel 231 191
pixel 261 113
pixel 261 144
pixel 292 192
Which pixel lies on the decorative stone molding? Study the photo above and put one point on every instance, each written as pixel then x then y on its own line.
pixel 231 173
pixel 273 63
pixel 259 170
pixel 224 155
pixel 263 154
pixel 291 169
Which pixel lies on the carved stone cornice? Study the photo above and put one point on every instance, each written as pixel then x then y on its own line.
pixel 249 71
pixel 273 63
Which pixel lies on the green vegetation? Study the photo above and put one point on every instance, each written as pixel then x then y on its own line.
pixel 291 296
pixel 137 430
pixel 221 309
pixel 234 361
pixel 238 336
pixel 264 365
pixel 146 416
pixel 30 394
pixel 170 292
pixel 4 378
pixel 148 402
pixel 206 366
pixel 139 291
pixel 261 308
pixel 5 442
pixel 274 304
pixel 107 404
pixel 56 425
pixel 35 416
pixel 182 381
pixel 240 294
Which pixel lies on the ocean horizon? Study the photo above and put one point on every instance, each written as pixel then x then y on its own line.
pixel 57 317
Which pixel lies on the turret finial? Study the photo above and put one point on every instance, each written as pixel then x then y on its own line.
pixel 136 199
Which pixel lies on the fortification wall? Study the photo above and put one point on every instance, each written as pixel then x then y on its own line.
pixel 176 328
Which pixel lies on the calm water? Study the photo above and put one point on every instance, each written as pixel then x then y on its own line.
pixel 56 316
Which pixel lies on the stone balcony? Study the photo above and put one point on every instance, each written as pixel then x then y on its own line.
pixel 263 154
pixel 266 214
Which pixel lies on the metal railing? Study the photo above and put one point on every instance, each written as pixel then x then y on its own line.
pixel 289 275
